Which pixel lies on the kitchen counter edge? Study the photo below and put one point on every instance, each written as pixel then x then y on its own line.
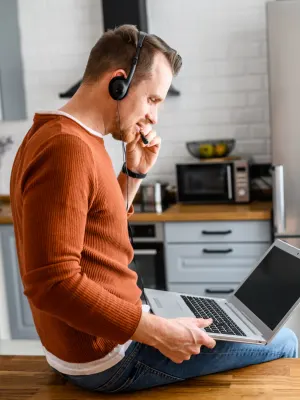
pixel 180 212
pixel 217 212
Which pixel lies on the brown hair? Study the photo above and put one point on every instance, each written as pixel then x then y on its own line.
pixel 116 49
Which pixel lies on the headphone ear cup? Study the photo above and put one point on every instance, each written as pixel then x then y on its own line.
pixel 118 88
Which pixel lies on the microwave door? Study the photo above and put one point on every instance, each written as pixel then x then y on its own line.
pixel 206 183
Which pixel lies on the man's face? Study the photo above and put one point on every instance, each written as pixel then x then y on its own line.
pixel 139 109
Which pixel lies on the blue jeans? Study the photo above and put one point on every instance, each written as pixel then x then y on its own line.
pixel 144 366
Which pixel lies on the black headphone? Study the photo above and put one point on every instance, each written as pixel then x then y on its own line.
pixel 119 85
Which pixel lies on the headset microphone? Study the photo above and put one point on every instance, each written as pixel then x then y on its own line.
pixel 144 139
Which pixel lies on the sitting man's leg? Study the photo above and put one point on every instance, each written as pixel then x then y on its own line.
pixel 144 366
pixel 151 368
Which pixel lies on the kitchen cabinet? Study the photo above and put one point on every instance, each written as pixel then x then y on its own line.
pixel 20 318
pixel 208 258
pixel 212 258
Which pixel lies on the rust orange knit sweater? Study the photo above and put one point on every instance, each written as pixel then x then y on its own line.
pixel 72 241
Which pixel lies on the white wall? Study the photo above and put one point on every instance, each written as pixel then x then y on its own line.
pixel 223 80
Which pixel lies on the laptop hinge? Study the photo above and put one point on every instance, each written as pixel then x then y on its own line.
pixel 240 314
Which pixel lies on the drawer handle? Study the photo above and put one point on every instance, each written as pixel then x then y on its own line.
pixel 217 232
pixel 225 251
pixel 210 291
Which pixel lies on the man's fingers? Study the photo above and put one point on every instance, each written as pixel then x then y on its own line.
pixel 207 341
pixel 155 141
pixel 203 337
pixel 203 323
pixel 196 350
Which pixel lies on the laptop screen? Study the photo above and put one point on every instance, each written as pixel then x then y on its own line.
pixel 273 287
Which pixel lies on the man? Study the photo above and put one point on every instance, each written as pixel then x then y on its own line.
pixel 70 221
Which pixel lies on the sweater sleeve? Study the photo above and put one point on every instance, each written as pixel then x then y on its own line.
pixel 58 187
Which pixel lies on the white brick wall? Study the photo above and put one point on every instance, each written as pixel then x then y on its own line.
pixel 223 81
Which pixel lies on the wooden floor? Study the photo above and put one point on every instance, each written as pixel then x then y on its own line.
pixel 30 378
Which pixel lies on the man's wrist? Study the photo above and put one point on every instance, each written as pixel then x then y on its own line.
pixel 148 330
pixel 131 173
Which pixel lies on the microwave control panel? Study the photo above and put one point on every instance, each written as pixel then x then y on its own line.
pixel 241 181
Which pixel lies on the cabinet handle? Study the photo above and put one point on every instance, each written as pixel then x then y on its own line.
pixel 225 251
pixel 217 232
pixel 224 291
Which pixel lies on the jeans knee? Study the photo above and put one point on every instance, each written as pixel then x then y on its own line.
pixel 289 344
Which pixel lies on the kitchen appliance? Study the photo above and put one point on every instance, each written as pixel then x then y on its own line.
pixel 218 181
pixel 148 245
pixel 283 37
pixel 261 182
pixel 151 197
pixel 283 22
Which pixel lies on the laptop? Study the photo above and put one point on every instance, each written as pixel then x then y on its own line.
pixel 258 308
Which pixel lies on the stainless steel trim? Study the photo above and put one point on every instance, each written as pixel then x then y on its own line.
pixel 279 207
pixel 157 196
pixel 148 252
pixel 229 182
pixel 157 192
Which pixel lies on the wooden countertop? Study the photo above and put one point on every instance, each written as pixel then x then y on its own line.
pixel 216 212
pixel 5 210
pixel 30 378
pixel 179 212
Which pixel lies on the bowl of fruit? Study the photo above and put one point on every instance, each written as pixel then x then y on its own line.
pixel 205 149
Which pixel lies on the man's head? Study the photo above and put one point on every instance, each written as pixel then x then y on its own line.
pixel 112 56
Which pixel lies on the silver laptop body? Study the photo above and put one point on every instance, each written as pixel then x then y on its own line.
pixel 260 306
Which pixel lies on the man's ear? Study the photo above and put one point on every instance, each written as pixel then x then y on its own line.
pixel 118 72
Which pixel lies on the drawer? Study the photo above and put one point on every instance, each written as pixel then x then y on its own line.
pixel 220 262
pixel 205 289
pixel 218 231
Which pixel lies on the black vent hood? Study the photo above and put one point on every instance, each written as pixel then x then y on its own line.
pixel 119 12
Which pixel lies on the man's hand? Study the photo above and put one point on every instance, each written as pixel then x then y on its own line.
pixel 141 157
pixel 178 339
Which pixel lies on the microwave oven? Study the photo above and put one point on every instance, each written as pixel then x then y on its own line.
pixel 209 182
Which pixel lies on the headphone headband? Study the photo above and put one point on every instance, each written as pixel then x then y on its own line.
pixel 141 38
pixel 118 86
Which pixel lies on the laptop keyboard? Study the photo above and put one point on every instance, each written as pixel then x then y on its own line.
pixel 207 308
